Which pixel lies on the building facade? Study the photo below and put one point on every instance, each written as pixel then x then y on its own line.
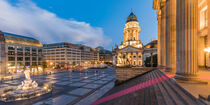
pixel 68 54
pixel 18 52
pixel 130 51
pixel 60 54
pixel 183 34
pixel 105 56
pixel 150 51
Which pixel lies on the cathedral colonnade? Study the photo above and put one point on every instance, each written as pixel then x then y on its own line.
pixel 179 31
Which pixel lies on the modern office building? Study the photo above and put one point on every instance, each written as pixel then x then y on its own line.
pixel 60 54
pixel 67 54
pixel 89 55
pixel 18 52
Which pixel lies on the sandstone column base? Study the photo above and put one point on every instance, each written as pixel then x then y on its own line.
pixel 169 71
pixel 191 79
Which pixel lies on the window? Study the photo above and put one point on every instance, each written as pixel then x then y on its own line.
pixel 19 63
pixel 203 18
pixel 34 63
pixel 20 53
pixel 11 58
pixel 27 64
pixel 39 50
pixel 19 58
pixel 34 54
pixel 19 48
pixel 34 59
pixel 27 49
pixel 11 47
pixel 11 64
pixel 206 41
pixel 40 59
pixel 11 53
pixel 27 58
pixel 33 49
pixel 27 53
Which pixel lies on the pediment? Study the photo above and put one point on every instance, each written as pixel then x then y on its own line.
pixel 130 48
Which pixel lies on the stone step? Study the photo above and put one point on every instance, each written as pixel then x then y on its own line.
pixel 164 94
pixel 171 93
pixel 153 97
pixel 182 94
pixel 179 93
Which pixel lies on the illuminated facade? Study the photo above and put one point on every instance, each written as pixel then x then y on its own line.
pixel 68 54
pixel 18 52
pixel 183 34
pixel 130 52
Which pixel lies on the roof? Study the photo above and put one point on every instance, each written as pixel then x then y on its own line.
pixel 20 36
pixel 152 44
pixel 19 39
pixel 151 88
pixel 132 17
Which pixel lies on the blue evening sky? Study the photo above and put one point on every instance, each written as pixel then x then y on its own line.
pixel 108 14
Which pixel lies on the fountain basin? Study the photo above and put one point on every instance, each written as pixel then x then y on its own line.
pixel 12 93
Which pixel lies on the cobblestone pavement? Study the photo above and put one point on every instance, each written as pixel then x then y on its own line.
pixel 81 88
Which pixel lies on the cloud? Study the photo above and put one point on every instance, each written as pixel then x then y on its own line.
pixel 26 18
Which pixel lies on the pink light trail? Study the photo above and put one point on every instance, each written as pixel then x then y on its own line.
pixel 133 89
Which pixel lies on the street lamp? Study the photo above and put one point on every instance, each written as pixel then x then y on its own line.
pixel 206 50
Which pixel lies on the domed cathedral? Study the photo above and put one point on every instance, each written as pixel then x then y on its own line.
pixel 130 51
pixel 132 32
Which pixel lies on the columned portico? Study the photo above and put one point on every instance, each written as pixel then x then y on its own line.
pixel 187 30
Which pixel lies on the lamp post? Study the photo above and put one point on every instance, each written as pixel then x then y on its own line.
pixel 206 50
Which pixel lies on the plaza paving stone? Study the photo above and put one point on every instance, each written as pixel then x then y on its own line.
pixel 80 91
pixel 77 84
pixel 68 87
pixel 87 81
pixel 100 82
pixel 60 100
pixel 63 83
pixel 92 86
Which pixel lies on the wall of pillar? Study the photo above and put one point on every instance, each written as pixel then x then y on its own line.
pixel 159 38
pixel 208 58
pixel 187 33
pixel 171 36
pixel 163 33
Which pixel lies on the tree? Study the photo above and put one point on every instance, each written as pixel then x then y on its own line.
pixel 148 61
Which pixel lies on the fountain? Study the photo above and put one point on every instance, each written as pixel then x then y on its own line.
pixel 28 89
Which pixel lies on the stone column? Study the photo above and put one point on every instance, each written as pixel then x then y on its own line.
pixel 171 36
pixel 159 38
pixel 208 60
pixel 186 41
pixel 163 33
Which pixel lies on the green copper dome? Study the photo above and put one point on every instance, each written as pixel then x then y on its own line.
pixel 132 17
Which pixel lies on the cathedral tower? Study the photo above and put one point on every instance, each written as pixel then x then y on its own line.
pixel 132 32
